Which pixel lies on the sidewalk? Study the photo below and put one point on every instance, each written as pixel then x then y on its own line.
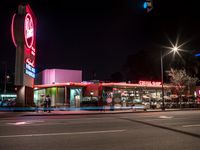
pixel 5 114
pixel 8 114
pixel 78 112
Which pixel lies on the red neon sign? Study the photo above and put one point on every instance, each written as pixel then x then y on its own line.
pixel 12 30
pixel 149 83
pixel 33 51
pixel 30 62
pixel 29 30
pixel 23 29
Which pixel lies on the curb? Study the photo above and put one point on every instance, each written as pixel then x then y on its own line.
pixel 73 113
pixel 104 113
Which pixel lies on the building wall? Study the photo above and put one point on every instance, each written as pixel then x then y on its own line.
pixel 51 76
pixel 62 76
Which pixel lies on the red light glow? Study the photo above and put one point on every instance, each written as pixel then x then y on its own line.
pixel 33 51
pixel 12 30
pixel 30 62
pixel 149 83
pixel 29 30
pixel 111 84
pixel 61 84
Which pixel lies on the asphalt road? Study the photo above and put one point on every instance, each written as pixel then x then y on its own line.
pixel 177 130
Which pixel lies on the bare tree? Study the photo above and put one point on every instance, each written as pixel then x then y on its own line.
pixel 182 82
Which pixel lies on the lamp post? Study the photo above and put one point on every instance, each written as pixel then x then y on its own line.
pixel 161 62
pixel 175 50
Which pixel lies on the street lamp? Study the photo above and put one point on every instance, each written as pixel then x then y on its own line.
pixel 174 49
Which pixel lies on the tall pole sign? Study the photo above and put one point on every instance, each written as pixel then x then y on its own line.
pixel 23 30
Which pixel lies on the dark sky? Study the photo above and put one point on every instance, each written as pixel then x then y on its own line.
pixel 98 35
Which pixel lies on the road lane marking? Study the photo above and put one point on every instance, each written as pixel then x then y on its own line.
pixel 166 117
pixel 67 133
pixel 19 123
pixel 25 122
pixel 191 125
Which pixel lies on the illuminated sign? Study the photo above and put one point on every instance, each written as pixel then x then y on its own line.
pixel 30 62
pixel 12 30
pixel 30 70
pixel 30 51
pixel 109 100
pixel 23 30
pixel 28 67
pixel 9 95
pixel 28 30
pixel 31 74
pixel 149 83
pixel 145 5
pixel 148 5
pixel 197 55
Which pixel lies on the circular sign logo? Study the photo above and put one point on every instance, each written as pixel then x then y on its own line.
pixel 29 30
pixel 109 100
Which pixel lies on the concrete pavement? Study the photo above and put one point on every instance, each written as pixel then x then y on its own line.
pixel 174 130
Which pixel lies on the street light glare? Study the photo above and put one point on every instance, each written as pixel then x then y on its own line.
pixel 175 49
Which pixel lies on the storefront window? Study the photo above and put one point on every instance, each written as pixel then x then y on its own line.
pixel 60 96
pixel 52 93
pixel 128 97
pixel 39 95
pixel 75 97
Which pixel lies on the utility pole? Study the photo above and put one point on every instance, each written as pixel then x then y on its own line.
pixel 161 62
pixel 5 77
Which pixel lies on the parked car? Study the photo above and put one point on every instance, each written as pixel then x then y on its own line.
pixel 8 103
pixel 138 105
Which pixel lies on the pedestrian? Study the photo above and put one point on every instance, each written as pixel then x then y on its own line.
pixel 49 103
pixel 45 104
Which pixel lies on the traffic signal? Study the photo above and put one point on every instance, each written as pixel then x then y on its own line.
pixel 148 5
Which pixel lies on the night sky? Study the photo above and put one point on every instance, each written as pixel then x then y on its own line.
pixel 98 35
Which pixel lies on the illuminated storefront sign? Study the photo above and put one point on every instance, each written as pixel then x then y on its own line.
pixel 28 67
pixel 31 74
pixel 149 83
pixel 30 71
pixel 8 95
pixel 30 51
pixel 12 30
pixel 23 29
pixel 28 30
pixel 30 62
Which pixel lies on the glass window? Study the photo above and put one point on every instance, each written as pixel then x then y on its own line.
pixel 60 97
